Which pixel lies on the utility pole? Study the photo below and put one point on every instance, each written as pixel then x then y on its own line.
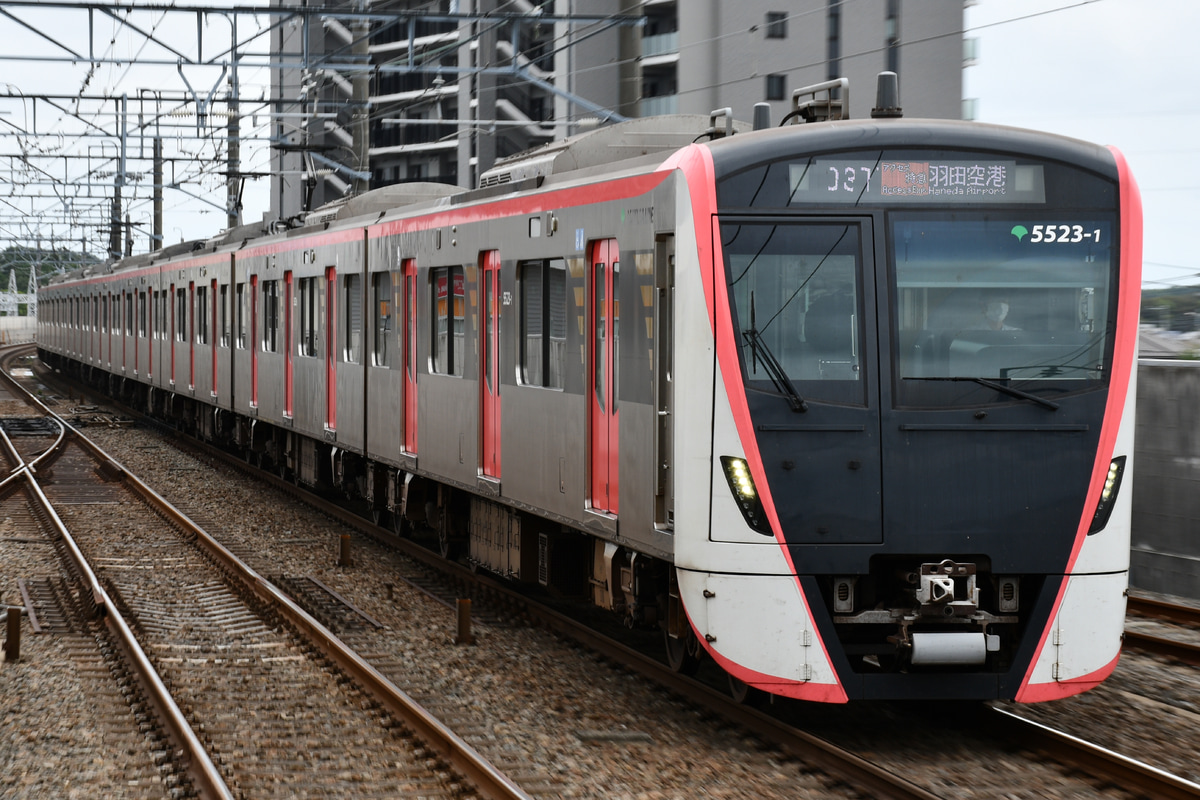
pixel 466 129
pixel 360 101
pixel 114 225
pixel 485 83
pixel 114 238
pixel 233 205
pixel 157 242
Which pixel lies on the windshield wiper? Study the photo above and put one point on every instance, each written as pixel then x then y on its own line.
pixel 999 387
pixel 774 369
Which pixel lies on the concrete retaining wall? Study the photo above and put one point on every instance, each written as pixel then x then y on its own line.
pixel 1166 486
pixel 17 329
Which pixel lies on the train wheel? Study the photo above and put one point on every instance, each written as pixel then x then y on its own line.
pixel 400 525
pixel 746 694
pixel 447 546
pixel 683 653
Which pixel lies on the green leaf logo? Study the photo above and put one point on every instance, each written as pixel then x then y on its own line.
pixel 1020 231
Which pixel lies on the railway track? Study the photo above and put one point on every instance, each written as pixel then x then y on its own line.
pixel 1178 639
pixel 1131 775
pixel 255 698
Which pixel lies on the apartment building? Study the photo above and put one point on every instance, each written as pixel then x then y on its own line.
pixel 444 88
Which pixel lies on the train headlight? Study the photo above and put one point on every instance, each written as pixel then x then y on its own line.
pixel 741 484
pixel 1108 495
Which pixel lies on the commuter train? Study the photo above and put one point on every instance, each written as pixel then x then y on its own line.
pixel 845 406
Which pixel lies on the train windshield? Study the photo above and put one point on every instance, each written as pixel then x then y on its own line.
pixel 797 295
pixel 1017 298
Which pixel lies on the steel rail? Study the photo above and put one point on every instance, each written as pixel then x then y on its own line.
pixel 1161 609
pixel 1134 776
pixel 1185 652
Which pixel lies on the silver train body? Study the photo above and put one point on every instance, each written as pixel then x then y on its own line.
pixel 565 375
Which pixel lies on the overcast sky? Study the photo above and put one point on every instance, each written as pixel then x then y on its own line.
pixel 1119 72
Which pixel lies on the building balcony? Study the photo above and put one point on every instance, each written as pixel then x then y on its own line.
pixel 660 45
pixel 657 106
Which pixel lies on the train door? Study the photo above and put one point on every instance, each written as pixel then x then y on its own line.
pixel 191 334
pixel 603 379
pixel 490 364
pixel 174 329
pixel 126 328
pixel 289 373
pixel 664 386
pixel 254 341
pixel 151 322
pixel 331 348
pixel 113 325
pixel 410 354
pixel 214 337
pixel 143 338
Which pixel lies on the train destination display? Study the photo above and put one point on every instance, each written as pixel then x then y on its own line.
pixel 911 180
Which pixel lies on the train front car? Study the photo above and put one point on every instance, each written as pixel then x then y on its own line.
pixel 922 410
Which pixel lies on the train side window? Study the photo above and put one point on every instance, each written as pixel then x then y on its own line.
pixel 129 313
pixel 543 339
pixel 352 291
pixel 242 316
pixel 309 293
pixel 439 345
pixel 141 315
pixel 381 303
pixel 163 300
pixel 181 308
pixel 223 312
pixel 270 316
pixel 449 314
pixel 202 312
